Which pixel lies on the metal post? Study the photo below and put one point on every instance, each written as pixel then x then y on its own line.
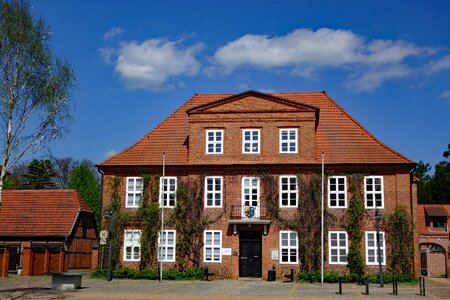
pixel 366 282
pixel 377 224
pixel 321 232
pixel 109 278
pixel 427 251
pixel 340 286
pixel 422 286
pixel 161 188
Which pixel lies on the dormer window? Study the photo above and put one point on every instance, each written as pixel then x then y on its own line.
pixel 251 140
pixel 439 222
pixel 214 141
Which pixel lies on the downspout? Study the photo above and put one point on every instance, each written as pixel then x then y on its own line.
pixel 101 195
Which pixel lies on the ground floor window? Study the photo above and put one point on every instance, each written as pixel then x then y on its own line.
pixel 288 247
pixel 212 246
pixel 372 248
pixel 338 247
pixel 132 245
pixel 166 245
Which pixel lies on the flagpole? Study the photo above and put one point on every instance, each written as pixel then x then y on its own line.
pixel 321 240
pixel 161 188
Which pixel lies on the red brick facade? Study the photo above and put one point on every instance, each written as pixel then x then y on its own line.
pixel 320 124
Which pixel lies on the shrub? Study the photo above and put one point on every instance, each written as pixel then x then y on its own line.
pixel 99 273
pixel 333 277
pixel 124 273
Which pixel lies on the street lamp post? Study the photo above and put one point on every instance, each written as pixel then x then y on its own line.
pixel 377 224
pixel 109 277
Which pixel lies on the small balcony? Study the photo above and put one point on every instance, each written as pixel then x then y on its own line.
pixel 241 214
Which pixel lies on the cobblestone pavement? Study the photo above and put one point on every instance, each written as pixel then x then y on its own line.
pixel 16 287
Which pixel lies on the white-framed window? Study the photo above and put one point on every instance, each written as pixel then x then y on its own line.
pixel 288 191
pixel 337 192
pixel 134 191
pixel 214 141
pixel 166 246
pixel 373 192
pixel 337 247
pixel 167 191
pixel 250 197
pixel 212 248
pixel 288 140
pixel 372 248
pixel 132 245
pixel 288 247
pixel 251 141
pixel 213 191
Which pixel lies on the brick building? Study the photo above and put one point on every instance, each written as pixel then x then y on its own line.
pixel 45 231
pixel 230 144
pixel 434 238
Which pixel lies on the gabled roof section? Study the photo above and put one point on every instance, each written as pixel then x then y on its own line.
pixel 432 210
pixel 267 103
pixel 42 213
pixel 340 136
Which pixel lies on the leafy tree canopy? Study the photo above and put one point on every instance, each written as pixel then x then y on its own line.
pixel 39 176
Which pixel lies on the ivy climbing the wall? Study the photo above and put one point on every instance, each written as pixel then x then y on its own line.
pixel 399 235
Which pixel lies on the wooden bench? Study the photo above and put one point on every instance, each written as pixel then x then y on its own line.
pixel 290 276
pixel 206 274
pixel 64 281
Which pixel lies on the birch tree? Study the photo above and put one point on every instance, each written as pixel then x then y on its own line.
pixel 35 87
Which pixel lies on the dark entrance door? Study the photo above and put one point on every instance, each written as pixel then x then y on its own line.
pixel 14 259
pixel 250 244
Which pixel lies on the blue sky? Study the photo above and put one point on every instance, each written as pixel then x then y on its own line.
pixel 385 62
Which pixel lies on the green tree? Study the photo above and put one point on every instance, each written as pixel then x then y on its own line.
pixel 40 175
pixel 84 182
pixel 440 185
pixel 35 86
pixel 424 187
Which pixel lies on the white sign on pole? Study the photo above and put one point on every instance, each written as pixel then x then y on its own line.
pixel 103 234
pixel 102 241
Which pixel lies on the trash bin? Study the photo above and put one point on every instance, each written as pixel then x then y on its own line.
pixel 271 275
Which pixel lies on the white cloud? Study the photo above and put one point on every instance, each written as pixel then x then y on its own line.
pixel 107 54
pixel 109 154
pixel 112 33
pixel 445 94
pixel 151 64
pixel 439 65
pixel 304 52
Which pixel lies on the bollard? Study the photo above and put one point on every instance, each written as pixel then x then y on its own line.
pixel 422 286
pixel 366 282
pixel 340 286
pixel 394 286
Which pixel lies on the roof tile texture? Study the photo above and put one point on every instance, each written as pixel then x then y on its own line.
pixel 40 212
pixel 421 221
pixel 341 137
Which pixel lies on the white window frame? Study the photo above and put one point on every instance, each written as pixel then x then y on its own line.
pixel 337 247
pixel 289 247
pixel 134 243
pixel 214 193
pixel 289 192
pixel 168 193
pixel 166 245
pixel 133 193
pixel 250 194
pixel 212 246
pixel 337 191
pixel 251 142
pixel 215 141
pixel 375 248
pixel 373 192
pixel 289 142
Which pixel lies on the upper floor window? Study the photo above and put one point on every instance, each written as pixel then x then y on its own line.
pixel 214 141
pixel 338 247
pixel 212 246
pixel 288 247
pixel 132 245
pixel 373 192
pixel 439 222
pixel 337 192
pixel 167 191
pixel 288 140
pixel 372 253
pixel 166 245
pixel 288 191
pixel 134 191
pixel 251 141
pixel 213 191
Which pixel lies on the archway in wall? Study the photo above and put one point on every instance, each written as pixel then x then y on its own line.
pixel 433 260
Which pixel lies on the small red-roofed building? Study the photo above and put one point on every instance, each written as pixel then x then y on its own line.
pixel 434 238
pixel 45 231
pixel 252 151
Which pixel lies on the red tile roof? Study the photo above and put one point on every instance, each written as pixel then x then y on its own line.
pixel 40 212
pixel 423 209
pixel 340 136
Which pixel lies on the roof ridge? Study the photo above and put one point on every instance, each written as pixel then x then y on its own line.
pixel 366 130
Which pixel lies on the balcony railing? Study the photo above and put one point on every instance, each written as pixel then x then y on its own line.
pixel 241 212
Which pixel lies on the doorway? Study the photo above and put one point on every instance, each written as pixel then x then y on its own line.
pixel 250 250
